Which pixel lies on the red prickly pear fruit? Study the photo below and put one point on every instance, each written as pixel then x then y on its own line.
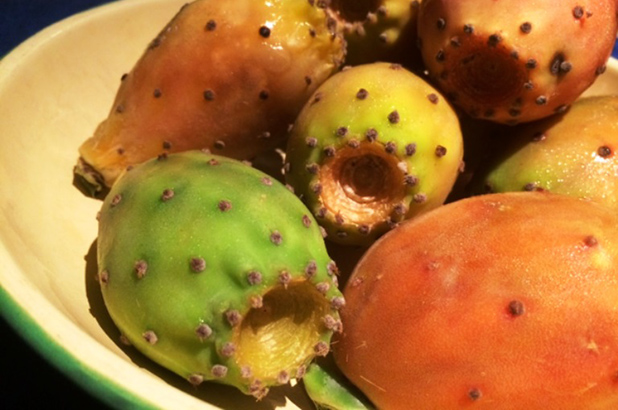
pixel 514 61
pixel 572 154
pixel 226 76
pixel 500 301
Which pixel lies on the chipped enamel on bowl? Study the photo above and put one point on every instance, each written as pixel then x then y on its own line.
pixel 54 89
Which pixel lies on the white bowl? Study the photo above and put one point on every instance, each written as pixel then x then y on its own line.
pixel 54 89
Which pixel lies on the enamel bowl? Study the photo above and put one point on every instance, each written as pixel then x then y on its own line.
pixel 54 89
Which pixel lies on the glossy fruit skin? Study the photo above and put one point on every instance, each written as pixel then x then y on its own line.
pixel 198 253
pixel 500 301
pixel 376 144
pixel 573 153
pixel 226 76
pixel 511 61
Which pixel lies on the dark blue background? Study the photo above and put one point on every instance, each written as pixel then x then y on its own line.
pixel 26 380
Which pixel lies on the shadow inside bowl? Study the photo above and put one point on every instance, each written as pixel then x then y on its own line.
pixel 218 395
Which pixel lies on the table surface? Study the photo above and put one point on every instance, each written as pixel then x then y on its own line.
pixel 26 379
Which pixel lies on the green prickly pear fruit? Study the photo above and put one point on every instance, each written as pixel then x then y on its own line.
pixel 216 271
pixel 229 76
pixel 374 145
pixel 329 389
pixel 573 153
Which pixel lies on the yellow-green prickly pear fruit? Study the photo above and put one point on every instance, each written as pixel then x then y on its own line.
pixel 374 145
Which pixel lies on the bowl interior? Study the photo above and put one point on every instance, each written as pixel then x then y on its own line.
pixel 54 89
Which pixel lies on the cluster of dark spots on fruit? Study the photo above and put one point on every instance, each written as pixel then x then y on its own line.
pixel 321 348
pixel 257 390
pixel 311 269
pixel 311 142
pixel 162 156
pixel 332 324
pixel 119 108
pixel 167 145
pixel 124 77
pixel 600 70
pixel 224 205
pixel 323 287
pixel 390 147
pixel 419 198
pixel 341 132
pixel 578 12
pixel 284 278
pixel 203 331
pixel 115 200
pixel 283 377
pixel 233 317
pixel 150 337
pixel 209 95
pixel 213 162
pixel 440 151
pixel 494 39
pixel 591 241
pixel 316 188
pixel 196 379
pixel 531 64
pixel 468 28
pixel 264 31
pixel 312 168
pixel 254 277
pixel 332 269
pixel 308 80
pixel 604 151
pixel 104 276
pixel 515 308
pixel 256 301
pixel 540 100
pixel 156 93
pixel 362 94
pixel 211 25
pixel 167 194
pixel 559 64
pixel 433 98
pixel 474 394
pixel 317 97
pixel 529 85
pixel 306 221
pixel 140 267
pixel 533 187
pixel 525 27
pixel 219 371
pixel 371 135
pixel 410 180
pixel 197 264
pixel 321 213
pixel 228 349
pixel 393 117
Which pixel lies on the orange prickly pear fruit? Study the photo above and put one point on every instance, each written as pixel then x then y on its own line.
pixel 229 76
pixel 500 301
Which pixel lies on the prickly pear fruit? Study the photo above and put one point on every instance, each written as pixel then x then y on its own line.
pixel 216 271
pixel 229 76
pixel 572 153
pixel 374 145
pixel 382 30
pixel 329 389
pixel 500 301
pixel 514 61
